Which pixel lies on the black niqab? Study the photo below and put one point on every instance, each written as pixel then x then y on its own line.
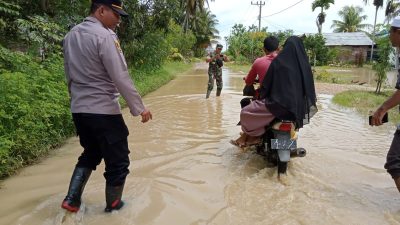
pixel 288 86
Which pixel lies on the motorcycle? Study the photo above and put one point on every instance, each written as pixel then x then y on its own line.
pixel 279 142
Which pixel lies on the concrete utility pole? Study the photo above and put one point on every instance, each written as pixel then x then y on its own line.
pixel 261 4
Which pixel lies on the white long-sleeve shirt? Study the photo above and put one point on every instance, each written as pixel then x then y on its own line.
pixel 96 71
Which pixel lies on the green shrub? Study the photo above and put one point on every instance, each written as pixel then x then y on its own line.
pixel 34 115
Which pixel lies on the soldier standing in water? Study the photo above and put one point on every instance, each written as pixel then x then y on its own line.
pixel 215 60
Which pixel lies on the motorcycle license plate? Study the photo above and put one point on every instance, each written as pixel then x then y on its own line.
pixel 283 144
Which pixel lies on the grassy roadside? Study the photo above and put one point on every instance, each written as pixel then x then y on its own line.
pixel 365 101
pixel 147 82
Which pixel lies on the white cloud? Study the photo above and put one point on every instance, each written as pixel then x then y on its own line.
pixel 299 18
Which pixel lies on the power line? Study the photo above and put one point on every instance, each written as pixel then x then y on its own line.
pixel 282 27
pixel 284 9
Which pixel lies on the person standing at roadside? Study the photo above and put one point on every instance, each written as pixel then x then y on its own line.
pixel 96 73
pixel 215 62
pixel 392 164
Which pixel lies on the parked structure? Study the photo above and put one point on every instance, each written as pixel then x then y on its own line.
pixel 353 47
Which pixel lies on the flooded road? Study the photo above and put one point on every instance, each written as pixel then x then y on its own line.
pixel 184 171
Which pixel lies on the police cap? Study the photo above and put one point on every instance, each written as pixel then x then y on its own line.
pixel 115 5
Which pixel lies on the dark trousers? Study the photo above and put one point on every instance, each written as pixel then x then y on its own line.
pixel 104 137
pixel 393 157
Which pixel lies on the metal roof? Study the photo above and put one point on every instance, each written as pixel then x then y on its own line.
pixel 347 39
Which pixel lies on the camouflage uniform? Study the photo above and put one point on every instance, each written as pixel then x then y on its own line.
pixel 214 72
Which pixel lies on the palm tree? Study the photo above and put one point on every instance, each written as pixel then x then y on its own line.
pixel 392 9
pixel 377 4
pixel 191 7
pixel 351 20
pixel 323 4
pixel 203 27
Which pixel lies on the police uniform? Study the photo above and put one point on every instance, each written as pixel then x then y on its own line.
pixel 97 73
pixel 214 72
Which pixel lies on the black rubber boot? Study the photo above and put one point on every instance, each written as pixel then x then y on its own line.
pixel 79 178
pixel 219 92
pixel 113 197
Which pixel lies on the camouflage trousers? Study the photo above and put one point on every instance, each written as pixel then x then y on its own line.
pixel 217 75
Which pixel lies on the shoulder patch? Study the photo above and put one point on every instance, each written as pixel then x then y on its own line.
pixel 118 46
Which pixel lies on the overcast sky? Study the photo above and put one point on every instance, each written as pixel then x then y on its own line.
pixel 298 18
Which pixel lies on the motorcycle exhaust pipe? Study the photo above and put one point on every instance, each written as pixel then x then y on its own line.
pixel 298 152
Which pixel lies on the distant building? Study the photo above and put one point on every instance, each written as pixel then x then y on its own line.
pixel 353 46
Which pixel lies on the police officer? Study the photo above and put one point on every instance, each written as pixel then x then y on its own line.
pixel 215 62
pixel 97 73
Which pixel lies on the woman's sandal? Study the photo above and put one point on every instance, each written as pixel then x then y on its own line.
pixel 254 142
pixel 236 143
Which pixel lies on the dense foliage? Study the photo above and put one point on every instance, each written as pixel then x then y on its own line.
pixel 34 113
pixel 317 52
pixel 382 65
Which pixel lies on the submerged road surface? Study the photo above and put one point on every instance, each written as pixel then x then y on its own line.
pixel 184 171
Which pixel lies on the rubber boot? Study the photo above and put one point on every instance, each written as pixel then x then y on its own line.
pixel 79 178
pixel 208 94
pixel 113 198
pixel 219 92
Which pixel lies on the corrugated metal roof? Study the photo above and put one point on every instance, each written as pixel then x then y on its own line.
pixel 347 39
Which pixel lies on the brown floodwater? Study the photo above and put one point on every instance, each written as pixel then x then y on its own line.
pixel 184 171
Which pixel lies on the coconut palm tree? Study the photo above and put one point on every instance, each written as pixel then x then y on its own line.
pixel 203 27
pixel 191 7
pixel 323 4
pixel 351 20
pixel 392 10
pixel 378 4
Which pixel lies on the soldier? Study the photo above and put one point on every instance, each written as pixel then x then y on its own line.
pixel 215 60
pixel 96 74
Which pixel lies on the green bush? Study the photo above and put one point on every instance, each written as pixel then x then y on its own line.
pixel 34 112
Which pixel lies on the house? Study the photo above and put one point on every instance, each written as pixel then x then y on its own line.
pixel 352 46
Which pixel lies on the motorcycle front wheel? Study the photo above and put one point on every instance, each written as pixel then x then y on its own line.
pixel 282 167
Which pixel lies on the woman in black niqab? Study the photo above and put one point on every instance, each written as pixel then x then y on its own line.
pixel 287 93
pixel 289 84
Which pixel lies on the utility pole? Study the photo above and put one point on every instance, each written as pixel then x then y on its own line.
pixel 261 4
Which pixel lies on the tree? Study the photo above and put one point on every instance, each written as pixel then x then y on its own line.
pixel 9 12
pixel 378 4
pixel 246 44
pixel 382 65
pixel 191 7
pixel 323 4
pixel 351 20
pixel 392 9
pixel 204 29
pixel 316 49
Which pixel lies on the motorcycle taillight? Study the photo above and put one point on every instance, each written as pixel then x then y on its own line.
pixel 285 127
